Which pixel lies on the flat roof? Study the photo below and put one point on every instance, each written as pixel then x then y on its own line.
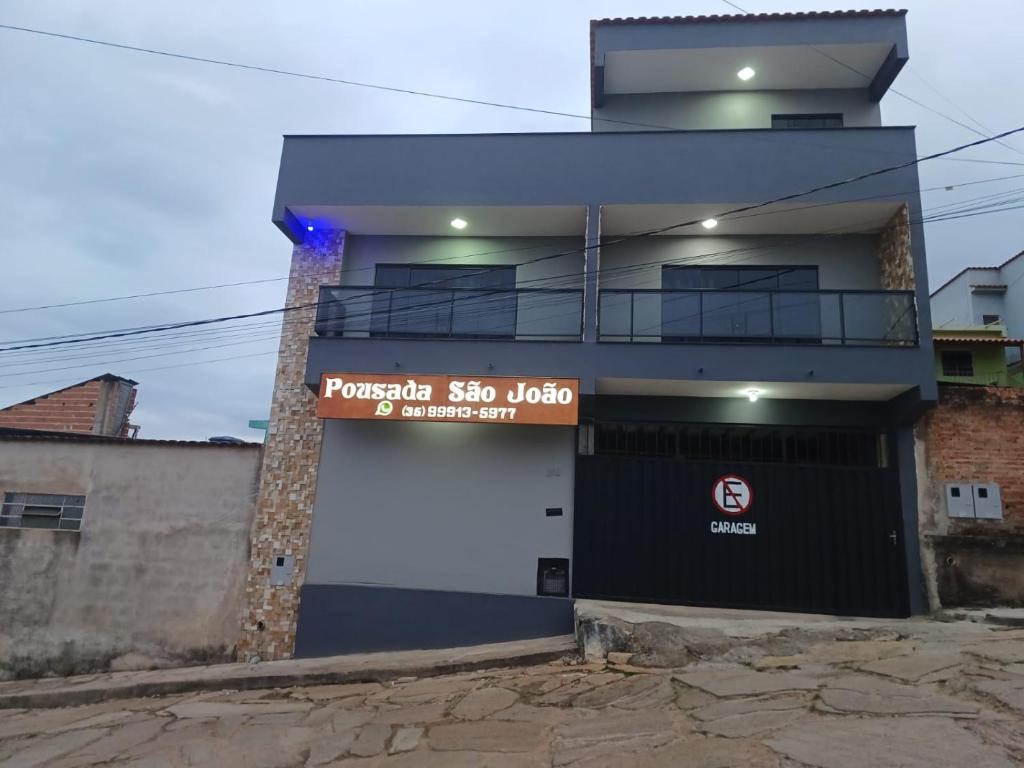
pixel 719 17
pixel 16 434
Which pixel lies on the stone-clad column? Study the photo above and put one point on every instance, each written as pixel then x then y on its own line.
pixel 895 259
pixel 290 460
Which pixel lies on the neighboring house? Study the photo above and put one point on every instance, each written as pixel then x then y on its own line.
pixel 971 476
pixel 983 296
pixel 118 553
pixel 97 406
pixel 984 356
pixel 720 414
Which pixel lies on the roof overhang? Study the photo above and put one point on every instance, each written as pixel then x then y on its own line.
pixel 426 220
pixel 845 50
pixel 775 390
pixel 794 218
pixel 1001 341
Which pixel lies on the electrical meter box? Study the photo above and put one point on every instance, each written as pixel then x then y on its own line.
pixel 281 569
pixel 960 500
pixel 988 503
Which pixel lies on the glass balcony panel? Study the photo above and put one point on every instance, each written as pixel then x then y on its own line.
pixel 880 318
pixel 362 311
pixel 546 314
pixel 737 314
pixel 782 316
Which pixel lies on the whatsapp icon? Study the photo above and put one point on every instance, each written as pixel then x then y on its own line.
pixel 384 408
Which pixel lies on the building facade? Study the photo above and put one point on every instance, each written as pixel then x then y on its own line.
pixel 985 297
pixel 979 355
pixel 695 360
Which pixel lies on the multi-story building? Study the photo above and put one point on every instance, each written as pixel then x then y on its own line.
pixel 985 297
pixel 686 393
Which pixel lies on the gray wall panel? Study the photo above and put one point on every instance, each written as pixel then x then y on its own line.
pixel 362 252
pixel 847 262
pixel 733 109
pixel 441 506
pixel 351 619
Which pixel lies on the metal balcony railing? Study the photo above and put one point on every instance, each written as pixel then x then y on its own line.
pixel 521 314
pixel 863 318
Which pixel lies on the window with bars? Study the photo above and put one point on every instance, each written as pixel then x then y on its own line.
pixel 847 448
pixel 957 364
pixel 55 512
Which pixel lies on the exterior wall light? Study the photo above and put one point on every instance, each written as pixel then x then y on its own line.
pixel 753 394
pixel 459 223
pixel 709 223
pixel 309 227
pixel 745 74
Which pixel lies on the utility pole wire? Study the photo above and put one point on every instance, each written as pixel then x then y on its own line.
pixel 584 249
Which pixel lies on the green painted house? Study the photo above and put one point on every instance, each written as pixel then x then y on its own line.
pixel 977 355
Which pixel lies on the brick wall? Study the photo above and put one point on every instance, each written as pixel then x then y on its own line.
pixel 895 260
pixel 973 434
pixel 100 406
pixel 290 460
pixel 67 410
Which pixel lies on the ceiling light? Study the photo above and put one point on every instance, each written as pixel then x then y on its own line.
pixel 709 223
pixel 459 223
pixel 753 394
pixel 746 73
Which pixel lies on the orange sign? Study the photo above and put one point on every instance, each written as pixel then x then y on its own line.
pixel 482 399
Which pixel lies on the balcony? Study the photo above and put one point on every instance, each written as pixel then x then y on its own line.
pixel 521 314
pixel 851 318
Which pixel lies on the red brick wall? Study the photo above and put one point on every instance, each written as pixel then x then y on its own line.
pixel 977 433
pixel 68 410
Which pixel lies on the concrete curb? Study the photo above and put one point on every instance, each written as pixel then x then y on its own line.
pixel 237 677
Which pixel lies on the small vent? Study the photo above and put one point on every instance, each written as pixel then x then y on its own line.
pixel 553 577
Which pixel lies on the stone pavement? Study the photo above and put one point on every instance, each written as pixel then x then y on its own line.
pixel 943 695
pixel 353 668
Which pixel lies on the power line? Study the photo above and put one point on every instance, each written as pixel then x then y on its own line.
pixel 391 89
pixel 328 79
pixel 409 313
pixel 146 370
pixel 985 203
pixel 902 95
pixel 411 310
pixel 659 230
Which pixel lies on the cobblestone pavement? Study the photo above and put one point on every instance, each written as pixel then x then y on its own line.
pixel 891 701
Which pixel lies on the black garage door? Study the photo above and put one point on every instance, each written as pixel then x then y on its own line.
pixel 820 536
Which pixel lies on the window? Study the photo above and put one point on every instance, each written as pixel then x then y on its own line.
pixel 42 510
pixel 990 319
pixel 476 301
pixel 957 364
pixel 833 120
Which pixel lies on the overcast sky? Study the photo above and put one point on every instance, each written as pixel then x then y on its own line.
pixel 123 173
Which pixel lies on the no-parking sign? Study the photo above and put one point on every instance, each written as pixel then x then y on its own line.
pixel 733 496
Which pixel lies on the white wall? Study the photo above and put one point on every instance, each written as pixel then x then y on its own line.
pixel 849 262
pixel 954 306
pixel 158 569
pixel 715 110
pixel 458 507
